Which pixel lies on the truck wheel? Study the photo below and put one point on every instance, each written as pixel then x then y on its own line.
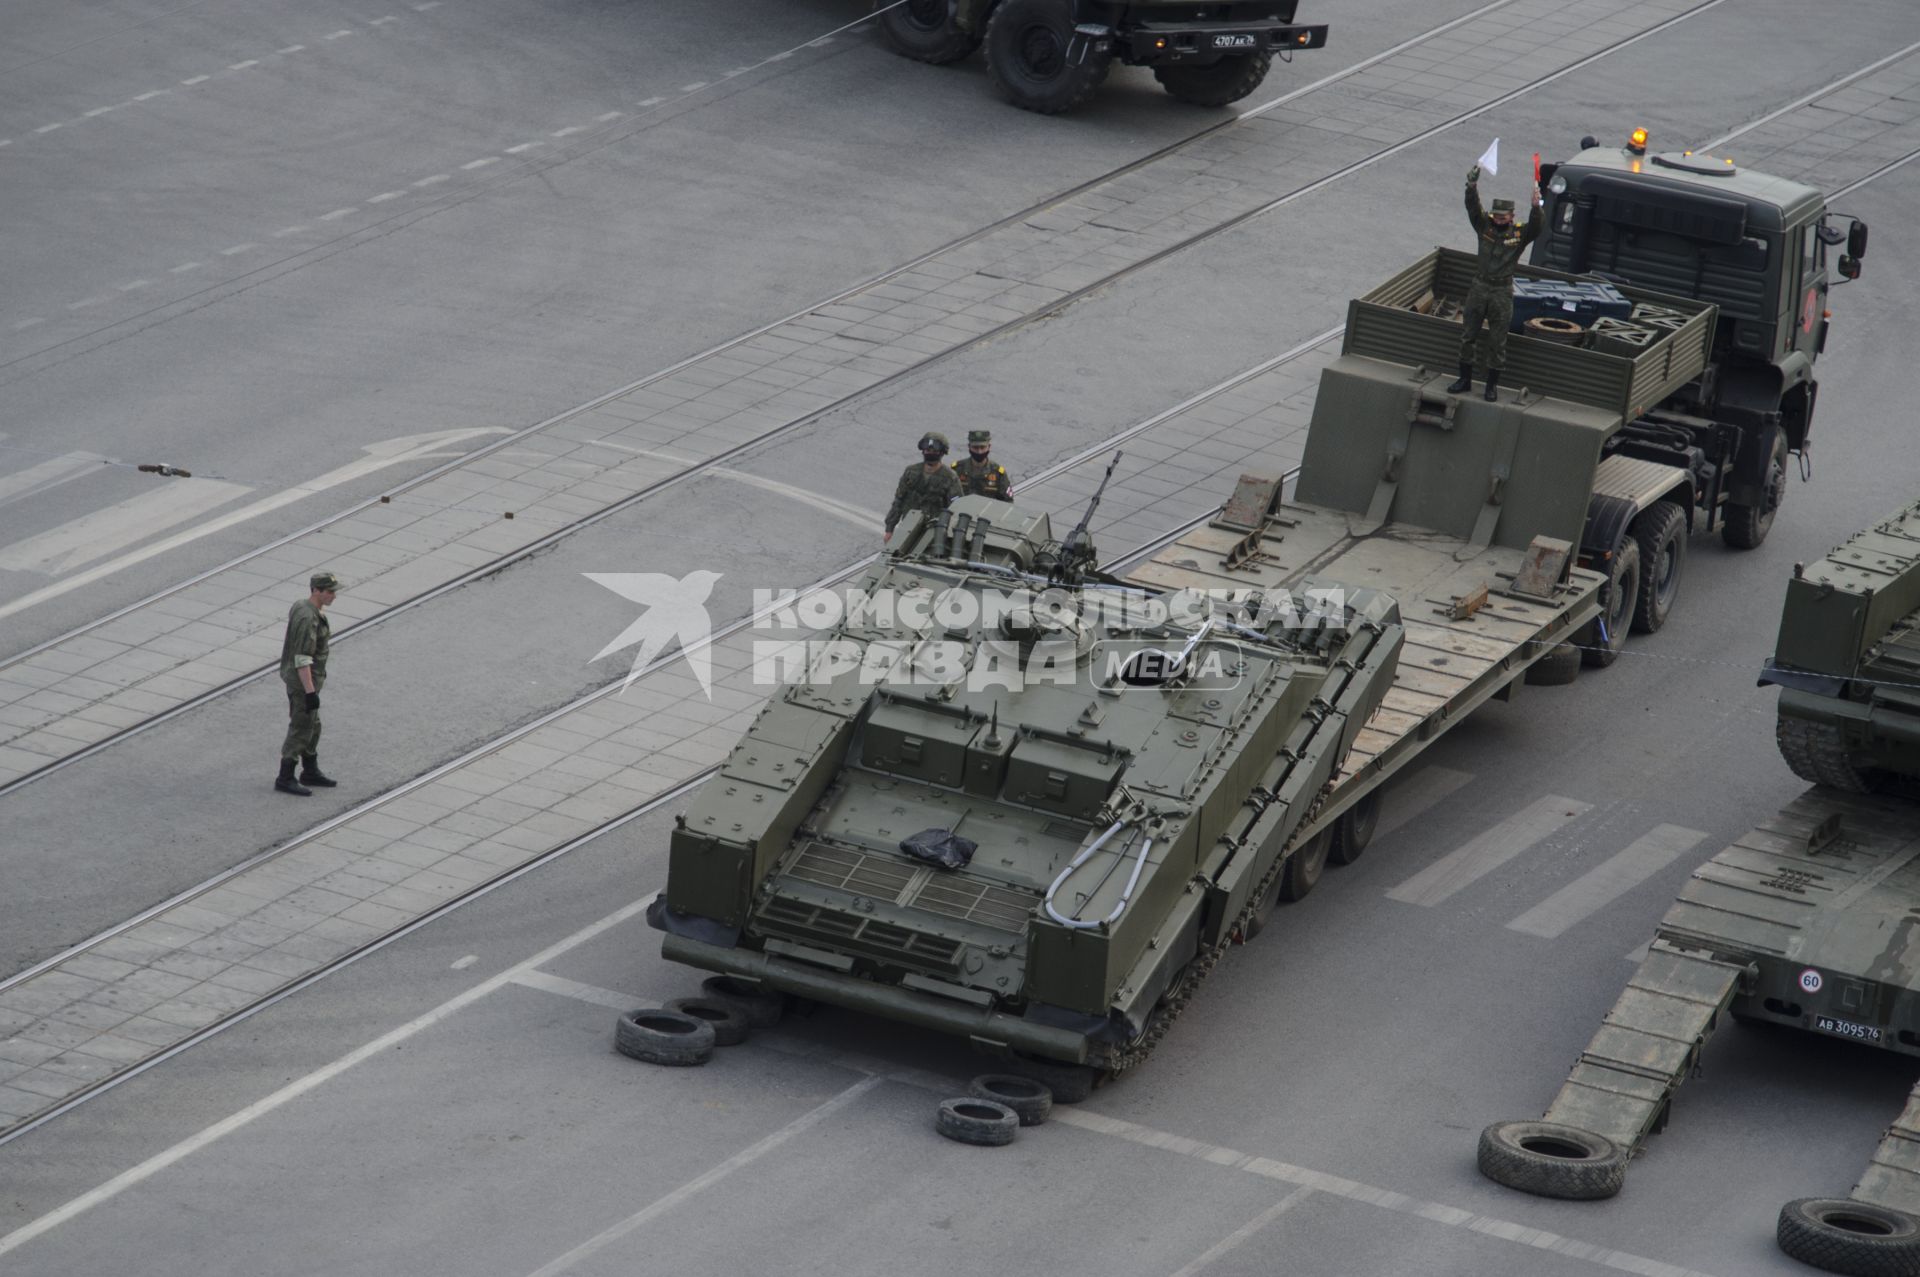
pixel 1746 526
pixel 1070 1083
pixel 1305 866
pixel 730 1025
pixel 1845 1236
pixel 1661 533
pixel 762 1007
pixel 1227 80
pixel 1548 1159
pixel 1560 666
pixel 972 1121
pixel 1818 754
pixel 1031 1101
pixel 1036 60
pixel 924 31
pixel 1598 649
pixel 663 1037
pixel 1354 830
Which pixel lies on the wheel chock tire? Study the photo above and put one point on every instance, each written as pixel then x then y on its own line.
pixel 660 1036
pixel 762 1006
pixel 730 1023
pixel 1549 1159
pixel 976 1121
pixel 1031 1101
pixel 1070 1083
pixel 1857 1239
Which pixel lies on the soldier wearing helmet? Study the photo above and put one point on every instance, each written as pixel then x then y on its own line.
pixel 980 475
pixel 926 487
pixel 1490 297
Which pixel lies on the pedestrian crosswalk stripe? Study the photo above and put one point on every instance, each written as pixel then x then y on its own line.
pixel 1479 856
pixel 38 478
pixel 1608 881
pixel 94 536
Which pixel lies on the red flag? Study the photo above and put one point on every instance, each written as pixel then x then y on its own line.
pixel 1536 168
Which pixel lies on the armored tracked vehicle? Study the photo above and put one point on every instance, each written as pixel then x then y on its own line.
pixel 1051 55
pixel 1756 248
pixel 1806 921
pixel 1024 812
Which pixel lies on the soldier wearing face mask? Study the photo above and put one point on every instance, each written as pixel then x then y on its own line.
pixel 1490 298
pixel 927 486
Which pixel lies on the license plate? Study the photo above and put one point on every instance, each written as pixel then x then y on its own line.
pixel 1846 1028
pixel 1235 41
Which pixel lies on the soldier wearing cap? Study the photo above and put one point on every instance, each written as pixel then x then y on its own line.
pixel 1490 298
pixel 980 475
pixel 303 668
pixel 926 487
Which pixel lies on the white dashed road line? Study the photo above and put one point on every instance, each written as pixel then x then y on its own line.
pixel 430 181
pixel 1481 855
pixel 337 214
pixel 524 146
pixel 384 196
pixel 136 284
pixel 241 66
pixel 570 129
pixel 292 48
pixel 481 163
pixel 237 248
pixel 184 267
pixel 285 231
pixel 198 79
pixel 1608 881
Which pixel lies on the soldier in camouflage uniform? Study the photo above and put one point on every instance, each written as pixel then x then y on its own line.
pixel 980 475
pixel 926 487
pixel 303 668
pixel 1490 299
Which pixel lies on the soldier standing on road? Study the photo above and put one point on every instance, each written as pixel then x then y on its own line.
pixel 926 487
pixel 980 475
pixel 303 668
pixel 1490 299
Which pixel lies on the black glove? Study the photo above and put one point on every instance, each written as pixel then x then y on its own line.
pixel 1473 176
pixel 313 700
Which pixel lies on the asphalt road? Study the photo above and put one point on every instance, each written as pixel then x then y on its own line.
pixel 1363 1039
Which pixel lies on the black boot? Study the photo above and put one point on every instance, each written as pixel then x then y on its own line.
pixel 1493 385
pixel 310 773
pixel 1465 383
pixel 286 784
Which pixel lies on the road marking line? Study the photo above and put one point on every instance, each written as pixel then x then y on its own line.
pixel 93 536
pixel 1607 881
pixel 47 128
pixel 461 964
pixel 1417 795
pixel 1244 1232
pixel 285 231
pixel 294 1090
pixel 779 57
pixel 481 163
pixel 238 248
pixel 382 21
pixel 524 146
pixel 241 66
pixel 1351 1190
pixel 339 35
pixel 655 101
pixel 610 115
pixel 429 181
pixel 566 988
pixel 84 302
pixel 1477 857
pixel 430 4
pixel 338 213
pixel 33 322
pixel 839 509
pixel 736 71
pixel 151 93
pixel 6 141
pixel 134 286
pixel 571 128
pixel 745 1157
pixel 98 110
pixel 689 88
pixel 292 48
pixel 47 474
pixel 184 267
pixel 384 196
pixel 198 79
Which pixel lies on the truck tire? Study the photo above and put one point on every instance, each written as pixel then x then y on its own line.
pixel 1549 1159
pixel 1227 80
pixel 1354 830
pixel 1746 526
pixel 729 1022
pixel 1817 753
pixel 1600 645
pixel 1304 867
pixel 1069 1083
pixel 762 1007
pixel 1560 666
pixel 663 1037
pixel 924 31
pixel 1661 533
pixel 972 1121
pixel 1845 1236
pixel 1035 59
pixel 1031 1101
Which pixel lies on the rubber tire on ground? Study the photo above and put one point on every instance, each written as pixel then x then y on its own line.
pixel 1030 48
pixel 1843 1236
pixel 1069 1083
pixel 975 1121
pixel 1623 589
pixel 1305 866
pixel 659 1036
pixel 1660 531
pixel 1031 1101
pixel 1560 666
pixel 762 1007
pixel 1517 1154
pixel 924 31
pixel 1354 830
pixel 1745 526
pixel 730 1023
pixel 1227 80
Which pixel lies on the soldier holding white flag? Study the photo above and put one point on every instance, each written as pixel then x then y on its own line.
pixel 1490 298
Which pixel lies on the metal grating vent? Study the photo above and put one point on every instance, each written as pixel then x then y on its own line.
pixel 882 877
pixel 971 900
pixel 868 937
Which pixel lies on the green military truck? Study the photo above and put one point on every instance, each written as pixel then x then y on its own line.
pixel 1805 921
pixel 1051 55
pixel 1130 830
pixel 1756 248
